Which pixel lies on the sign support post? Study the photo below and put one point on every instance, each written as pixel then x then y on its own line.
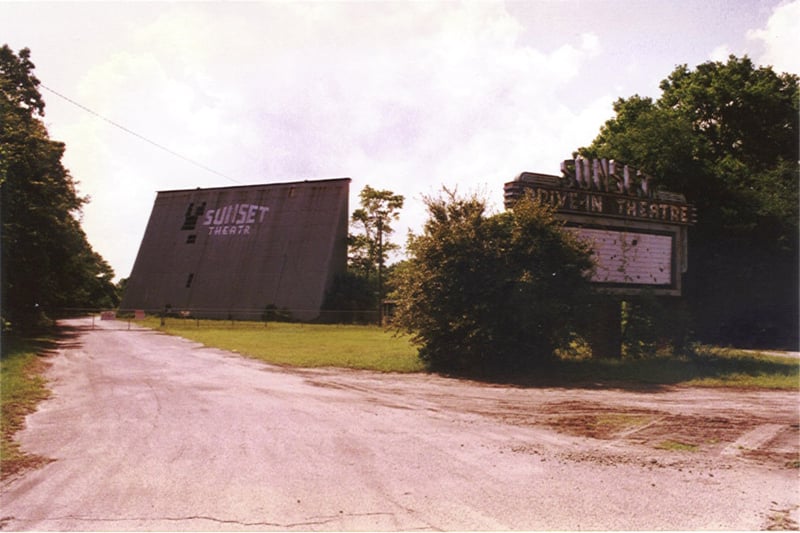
pixel 605 329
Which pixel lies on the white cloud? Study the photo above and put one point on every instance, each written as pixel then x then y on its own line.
pixel 400 95
pixel 404 96
pixel 720 53
pixel 781 38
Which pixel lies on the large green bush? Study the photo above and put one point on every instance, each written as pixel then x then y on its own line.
pixel 488 294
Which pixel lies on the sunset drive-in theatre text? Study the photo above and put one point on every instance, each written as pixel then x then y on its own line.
pixel 637 233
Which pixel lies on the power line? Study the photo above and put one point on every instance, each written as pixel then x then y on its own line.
pixel 142 137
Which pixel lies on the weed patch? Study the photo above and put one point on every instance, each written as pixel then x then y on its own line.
pixel 22 387
pixel 677 446
pixel 617 422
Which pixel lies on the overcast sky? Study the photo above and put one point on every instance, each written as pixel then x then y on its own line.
pixel 398 95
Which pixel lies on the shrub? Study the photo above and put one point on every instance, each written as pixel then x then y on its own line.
pixel 651 325
pixel 490 294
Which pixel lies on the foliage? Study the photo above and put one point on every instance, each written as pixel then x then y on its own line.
pixel 272 313
pixel 370 245
pixel 47 261
pixel 121 285
pixel 651 325
pixel 351 298
pixel 725 135
pixel 483 294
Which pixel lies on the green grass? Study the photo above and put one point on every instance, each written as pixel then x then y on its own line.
pixel 22 387
pixel 706 367
pixel 371 347
pixel 302 345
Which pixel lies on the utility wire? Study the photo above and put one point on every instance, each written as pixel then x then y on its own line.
pixel 142 137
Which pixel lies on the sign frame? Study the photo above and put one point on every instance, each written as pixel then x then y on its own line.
pixel 609 197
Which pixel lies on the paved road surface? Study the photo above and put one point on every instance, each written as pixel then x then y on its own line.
pixel 151 432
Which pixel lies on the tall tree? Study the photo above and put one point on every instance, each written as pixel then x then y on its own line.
pixel 370 246
pixel 725 135
pixel 47 261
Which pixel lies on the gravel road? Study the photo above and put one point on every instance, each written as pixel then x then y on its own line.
pixel 152 432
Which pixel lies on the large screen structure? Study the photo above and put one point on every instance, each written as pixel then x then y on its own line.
pixel 638 234
pixel 234 252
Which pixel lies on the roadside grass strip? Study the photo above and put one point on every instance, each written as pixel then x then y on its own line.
pixel 374 348
pixel 303 345
pixel 706 366
pixel 22 387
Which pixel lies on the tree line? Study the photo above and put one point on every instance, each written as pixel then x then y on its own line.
pixel 481 290
pixel 47 261
pixel 726 135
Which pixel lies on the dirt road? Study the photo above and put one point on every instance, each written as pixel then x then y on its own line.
pixel 151 432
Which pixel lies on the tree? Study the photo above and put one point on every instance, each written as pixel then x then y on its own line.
pixel 492 293
pixel 369 248
pixel 725 135
pixel 47 262
pixel 351 298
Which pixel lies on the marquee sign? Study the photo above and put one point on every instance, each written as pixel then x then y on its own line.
pixel 612 205
pixel 637 233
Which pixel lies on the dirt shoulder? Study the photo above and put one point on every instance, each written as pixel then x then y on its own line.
pixel 761 427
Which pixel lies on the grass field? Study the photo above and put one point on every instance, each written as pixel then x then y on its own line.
pixel 21 388
pixel 706 367
pixel 371 347
pixel 303 345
